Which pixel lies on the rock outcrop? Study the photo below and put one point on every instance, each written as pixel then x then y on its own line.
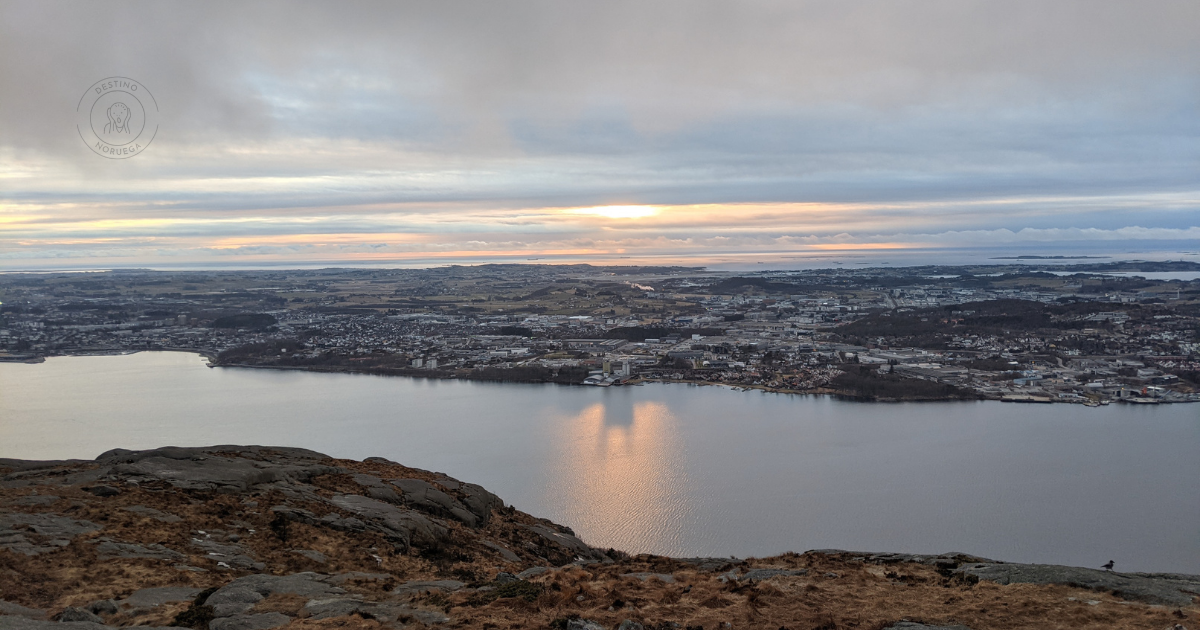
pixel 253 538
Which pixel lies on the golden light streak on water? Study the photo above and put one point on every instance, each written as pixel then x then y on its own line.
pixel 620 459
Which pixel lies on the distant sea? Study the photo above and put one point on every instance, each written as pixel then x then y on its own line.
pixel 731 262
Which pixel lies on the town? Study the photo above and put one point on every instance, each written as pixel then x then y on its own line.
pixel 1092 333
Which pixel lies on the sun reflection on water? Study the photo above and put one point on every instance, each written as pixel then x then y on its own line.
pixel 620 476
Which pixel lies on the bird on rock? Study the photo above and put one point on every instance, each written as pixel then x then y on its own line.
pixel 1107 566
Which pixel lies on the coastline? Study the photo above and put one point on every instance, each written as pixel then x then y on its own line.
pixel 213 362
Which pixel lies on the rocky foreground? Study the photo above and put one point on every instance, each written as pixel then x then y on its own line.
pixel 251 538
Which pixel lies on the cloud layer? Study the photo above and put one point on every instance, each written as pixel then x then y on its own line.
pixel 461 130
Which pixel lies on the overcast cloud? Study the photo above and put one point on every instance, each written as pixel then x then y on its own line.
pixel 356 131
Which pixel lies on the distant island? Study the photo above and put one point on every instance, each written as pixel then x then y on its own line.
pixel 254 538
pixel 1047 257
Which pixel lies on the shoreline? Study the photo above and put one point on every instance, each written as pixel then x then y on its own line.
pixel 210 358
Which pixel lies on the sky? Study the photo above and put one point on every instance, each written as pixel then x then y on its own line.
pixel 425 133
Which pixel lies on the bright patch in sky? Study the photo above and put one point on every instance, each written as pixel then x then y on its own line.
pixel 619 212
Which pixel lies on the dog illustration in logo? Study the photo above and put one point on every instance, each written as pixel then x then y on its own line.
pixel 118 118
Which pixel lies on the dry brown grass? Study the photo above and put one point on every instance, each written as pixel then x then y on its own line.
pixel 860 596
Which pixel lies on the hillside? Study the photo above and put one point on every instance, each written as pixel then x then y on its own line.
pixel 251 538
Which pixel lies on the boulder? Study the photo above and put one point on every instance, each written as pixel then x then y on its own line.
pixel 423 496
pixel 572 544
pixel 71 613
pixel 103 607
pixel 477 500
pixel 240 595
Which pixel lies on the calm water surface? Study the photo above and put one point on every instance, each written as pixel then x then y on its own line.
pixel 676 469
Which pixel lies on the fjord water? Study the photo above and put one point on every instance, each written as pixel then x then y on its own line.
pixel 676 469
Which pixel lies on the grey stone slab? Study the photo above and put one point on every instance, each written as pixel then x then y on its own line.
pixel 1170 589
pixel 353 576
pixel 71 613
pixel 710 564
pixel 504 552
pixel 33 534
pixel 584 624
pixel 17 542
pixel 874 557
pixel 240 595
pixel 764 574
pixel 213 468
pixel 532 572
pixel 910 625
pixel 262 621
pixel 48 525
pixel 230 555
pixel 337 607
pixel 115 549
pixel 153 597
pixel 402 525
pixel 26 465
pixel 35 499
pixel 9 608
pixel 315 556
pixel 378 489
pixel 380 460
pixel 425 497
pixel 13 622
pixel 570 542
pixel 429 617
pixel 505 577
pixel 415 587
pixel 477 500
